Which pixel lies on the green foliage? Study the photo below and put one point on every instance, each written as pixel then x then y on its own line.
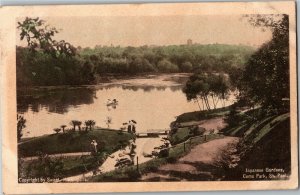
pixel 47 62
pixel 182 134
pixel 233 118
pixel 166 66
pixel 204 85
pixel 91 65
pixel 43 167
pixel 39 36
pixel 265 80
pixel 42 69
pixel 186 66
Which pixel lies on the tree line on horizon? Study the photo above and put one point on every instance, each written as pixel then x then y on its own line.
pixel 45 61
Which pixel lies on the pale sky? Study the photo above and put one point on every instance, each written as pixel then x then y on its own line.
pixel 156 30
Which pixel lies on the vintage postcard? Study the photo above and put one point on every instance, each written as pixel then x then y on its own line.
pixel 149 97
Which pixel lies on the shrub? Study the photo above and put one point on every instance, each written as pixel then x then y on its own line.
pixel 167 66
pixel 133 174
pixel 171 159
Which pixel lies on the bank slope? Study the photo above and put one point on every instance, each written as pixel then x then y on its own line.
pixel 265 144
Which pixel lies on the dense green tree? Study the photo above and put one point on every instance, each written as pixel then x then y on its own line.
pixel 233 118
pixel 167 66
pixel 219 88
pixel 265 80
pixel 87 72
pixel 186 66
pixel 201 87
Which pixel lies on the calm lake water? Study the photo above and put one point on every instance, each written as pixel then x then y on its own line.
pixel 153 103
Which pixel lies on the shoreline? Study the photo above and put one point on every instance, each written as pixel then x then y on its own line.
pixel 114 79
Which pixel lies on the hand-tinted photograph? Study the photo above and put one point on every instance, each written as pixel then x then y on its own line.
pixel 153 98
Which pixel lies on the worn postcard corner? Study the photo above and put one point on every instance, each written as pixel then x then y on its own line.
pixel 154 97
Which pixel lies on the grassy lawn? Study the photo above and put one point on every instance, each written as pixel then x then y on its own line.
pixel 181 135
pixel 64 166
pixel 202 115
pixel 252 131
pixel 108 141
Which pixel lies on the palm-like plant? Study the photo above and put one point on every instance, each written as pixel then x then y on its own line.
pixel 75 123
pixel 86 125
pixel 79 125
pixel 57 130
pixel 63 128
pixel 90 124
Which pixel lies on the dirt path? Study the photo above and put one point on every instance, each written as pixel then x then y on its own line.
pixel 214 124
pixel 59 155
pixel 209 152
pixel 203 163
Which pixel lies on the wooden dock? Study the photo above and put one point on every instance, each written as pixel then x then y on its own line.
pixel 153 133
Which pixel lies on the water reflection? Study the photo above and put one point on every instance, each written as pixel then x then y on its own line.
pixel 145 88
pixel 54 100
pixel 153 107
pixel 59 100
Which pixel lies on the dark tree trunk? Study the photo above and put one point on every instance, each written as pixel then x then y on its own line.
pixel 198 103
pixel 206 102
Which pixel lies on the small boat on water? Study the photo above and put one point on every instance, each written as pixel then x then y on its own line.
pixel 113 102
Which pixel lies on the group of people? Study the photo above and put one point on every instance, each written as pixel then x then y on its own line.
pixel 131 126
